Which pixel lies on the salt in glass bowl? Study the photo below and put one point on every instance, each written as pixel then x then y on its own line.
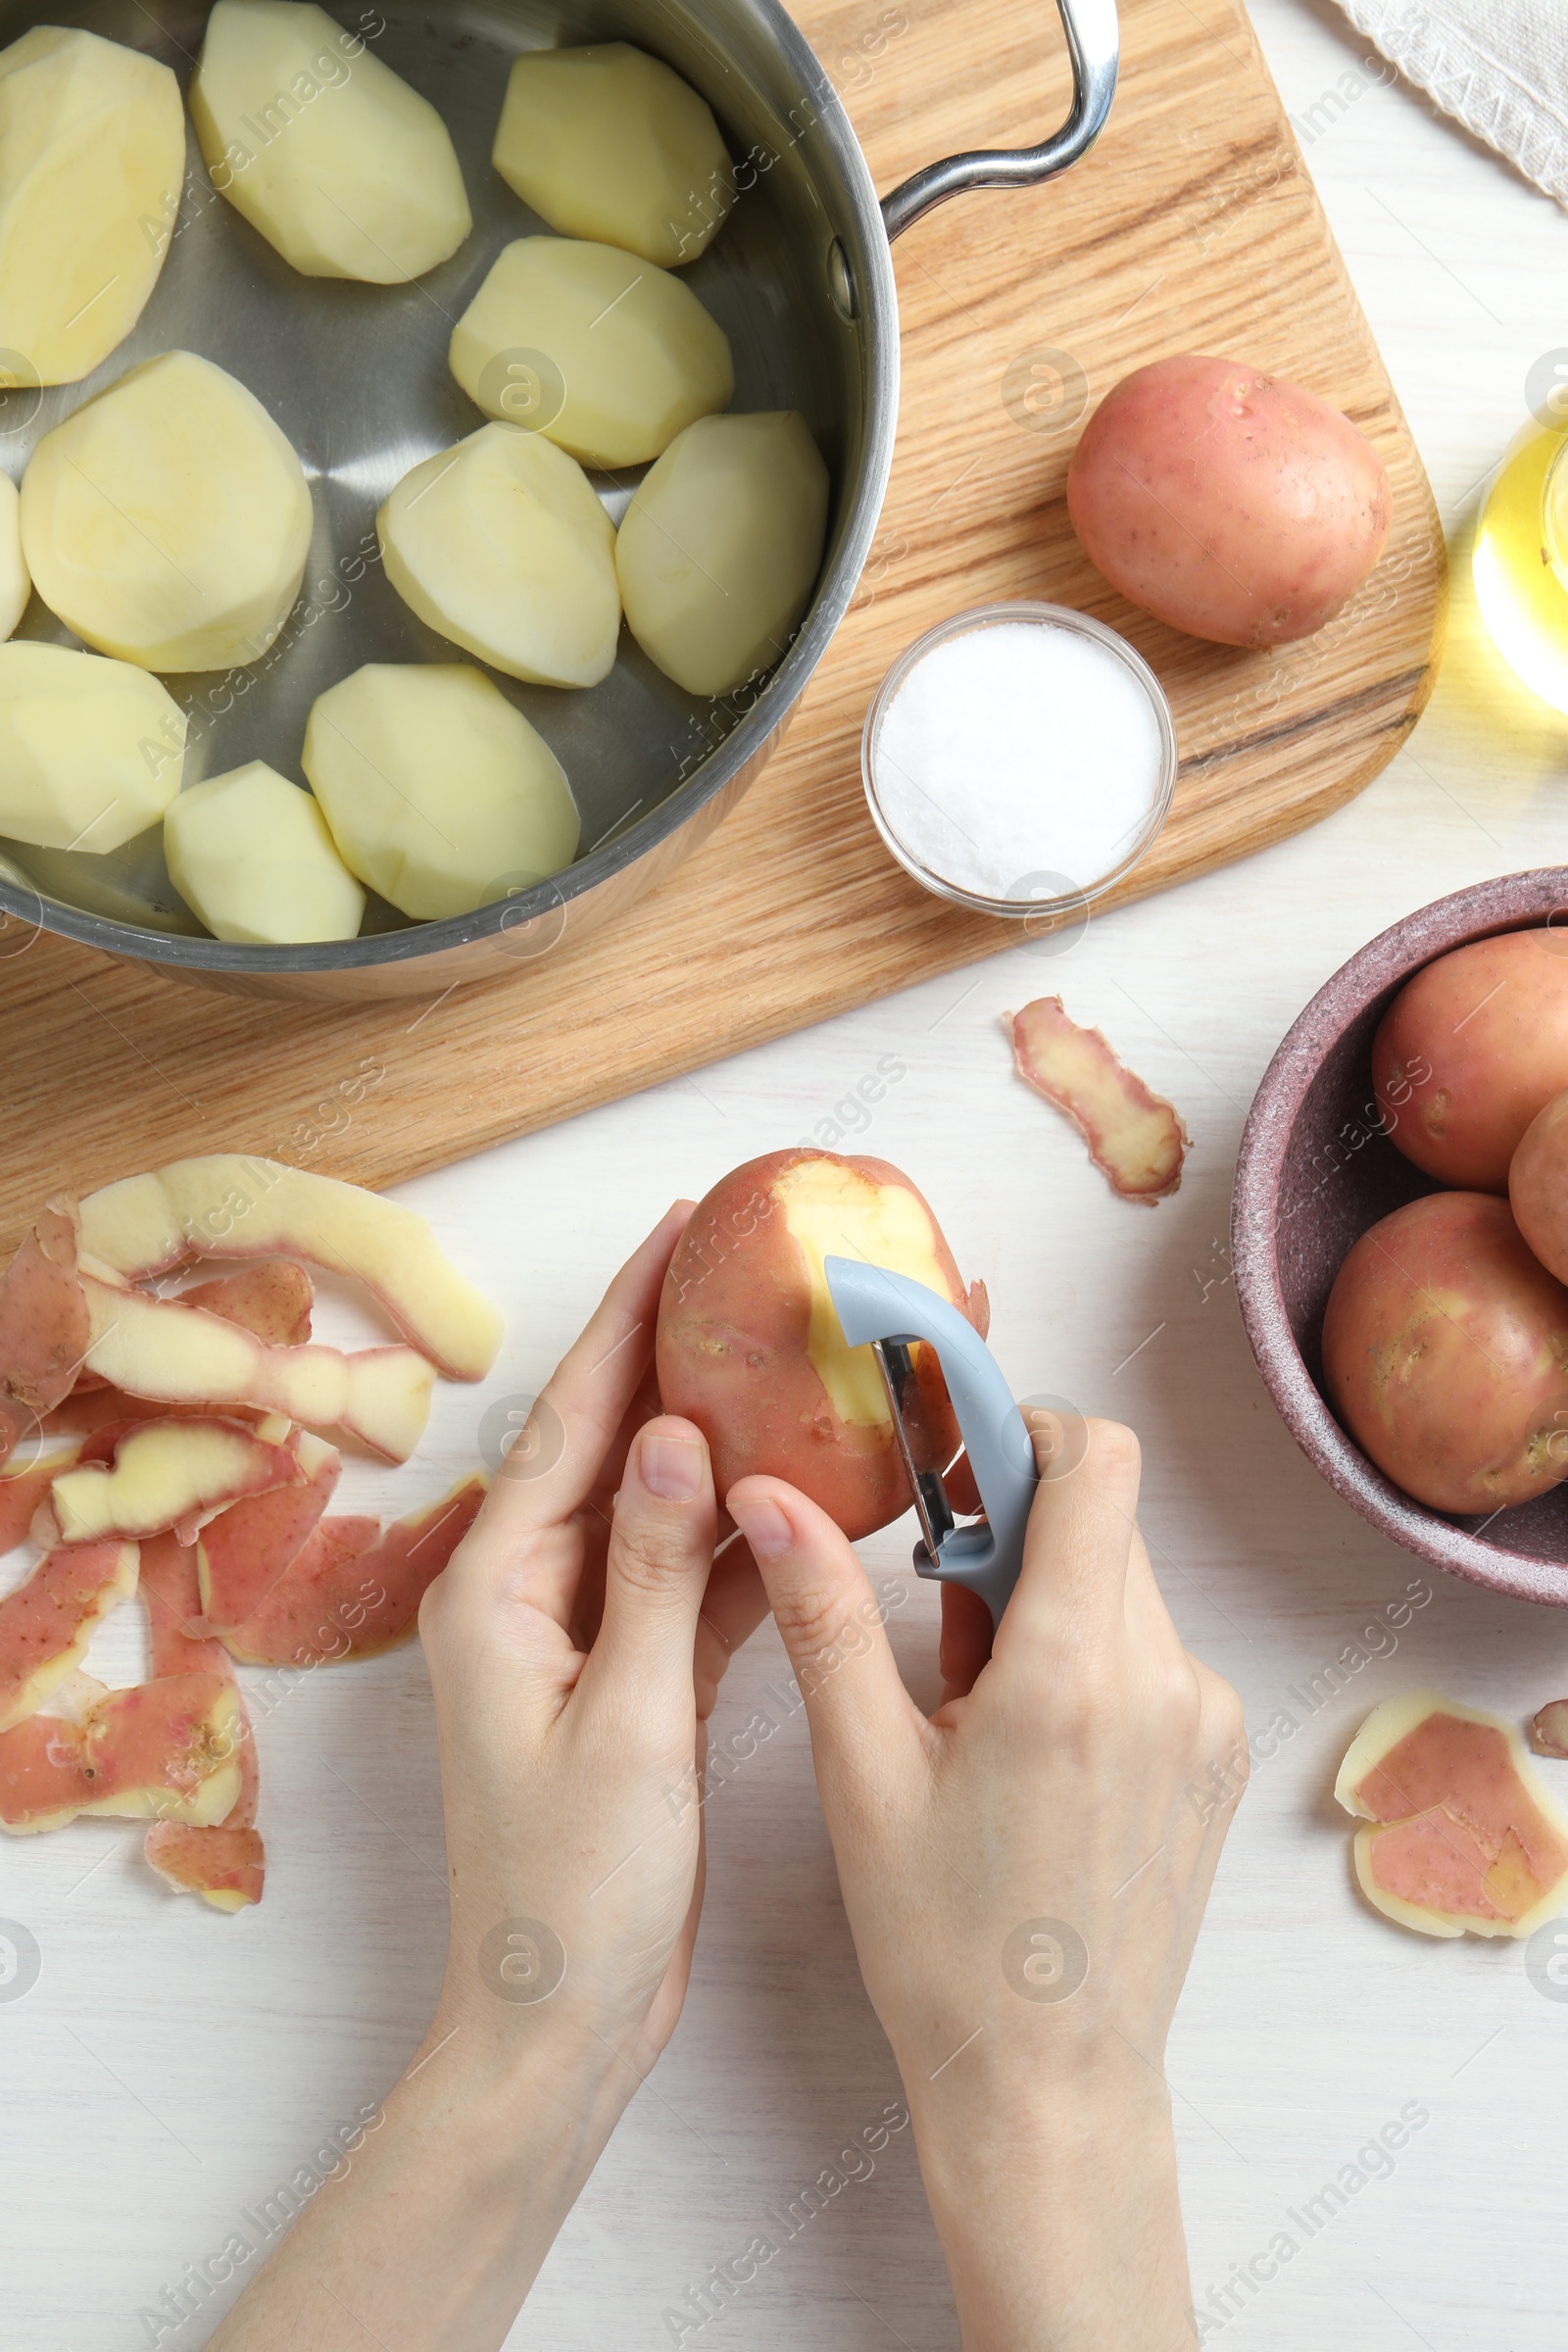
pixel 1043 905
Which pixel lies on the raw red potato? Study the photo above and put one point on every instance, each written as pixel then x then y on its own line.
pixel 1538 1186
pixel 228 1206
pixel 749 1347
pixel 1461 1837
pixel 1135 1137
pixel 169 1748
pixel 183 1354
pixel 47 1622
pixel 242 1553
pixel 43 1324
pixel 168 1474
pixel 1470 1051
pixel 1231 504
pixel 21 1494
pixel 1445 1356
pixel 353 1589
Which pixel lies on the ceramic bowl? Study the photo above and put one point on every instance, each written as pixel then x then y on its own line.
pixel 1315 1170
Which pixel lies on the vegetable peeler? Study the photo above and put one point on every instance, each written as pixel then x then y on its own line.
pixel 889 1312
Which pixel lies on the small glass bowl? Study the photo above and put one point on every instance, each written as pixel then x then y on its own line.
pixel 1045 906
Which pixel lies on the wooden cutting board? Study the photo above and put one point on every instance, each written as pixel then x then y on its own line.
pixel 1193 226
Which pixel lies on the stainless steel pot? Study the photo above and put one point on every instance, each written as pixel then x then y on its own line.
pixel 800 279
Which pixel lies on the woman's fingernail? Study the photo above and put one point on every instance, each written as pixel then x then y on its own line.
pixel 671 1467
pixel 766 1527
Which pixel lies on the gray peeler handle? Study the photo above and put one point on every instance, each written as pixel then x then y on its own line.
pixel 873 1303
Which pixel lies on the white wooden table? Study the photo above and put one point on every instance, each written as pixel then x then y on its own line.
pixel 169 2069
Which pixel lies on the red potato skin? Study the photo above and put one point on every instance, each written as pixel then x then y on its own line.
pixel 270 1300
pixel 178 1644
pixel 1470 1051
pixel 1445 1356
pixel 1538 1186
pixel 1232 505
pixel 731 1355
pixel 353 1588
pixel 193 1861
pixel 148 1736
pixel 23 1491
pixel 44 1326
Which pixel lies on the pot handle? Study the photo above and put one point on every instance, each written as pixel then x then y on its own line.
pixel 1094 45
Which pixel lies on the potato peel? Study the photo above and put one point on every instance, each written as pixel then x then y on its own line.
pixel 47 1622
pixel 23 1491
pixel 355 1590
pixel 1136 1139
pixel 168 1474
pixel 225 1866
pixel 197 1419
pixel 241 1554
pixel 227 1206
pixel 44 1322
pixel 1548 1731
pixel 1460 1836
pixel 165 1747
pixel 222 1862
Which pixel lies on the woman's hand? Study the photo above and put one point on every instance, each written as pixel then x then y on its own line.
pixel 1024 1876
pixel 575 1643
pixel 576 1649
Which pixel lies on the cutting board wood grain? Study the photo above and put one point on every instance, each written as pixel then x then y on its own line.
pixel 1191 226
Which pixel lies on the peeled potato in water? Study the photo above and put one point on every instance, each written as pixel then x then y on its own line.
pixel 721 548
pixel 90 750
pixel 501 545
pixel 168 521
pixel 323 148
pixel 92 161
pixel 439 793
pixel 608 356
pixel 608 142
pixel 252 855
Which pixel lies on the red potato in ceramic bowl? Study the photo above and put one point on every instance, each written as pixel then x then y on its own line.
pixel 751 1349
pixel 1538 1186
pixel 1471 1050
pixel 1445 1354
pixel 1232 505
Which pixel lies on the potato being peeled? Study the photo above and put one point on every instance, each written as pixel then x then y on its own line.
pixel 438 793
pixel 719 550
pixel 608 142
pixel 329 154
pixel 92 162
pixel 168 521
pixel 1445 1356
pixel 501 546
pixel 751 1349
pixel 1470 1051
pixel 1226 502
pixel 605 355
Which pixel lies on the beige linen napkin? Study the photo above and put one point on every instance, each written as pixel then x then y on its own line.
pixel 1498 67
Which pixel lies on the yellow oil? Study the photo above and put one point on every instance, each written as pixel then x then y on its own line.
pixel 1520 560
